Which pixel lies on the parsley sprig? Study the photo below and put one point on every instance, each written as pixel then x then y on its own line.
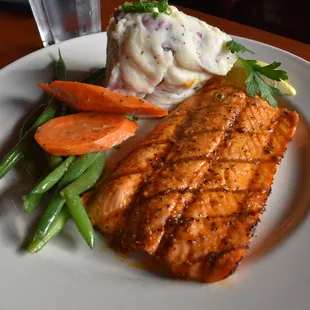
pixel 256 85
pixel 236 47
pixel 144 6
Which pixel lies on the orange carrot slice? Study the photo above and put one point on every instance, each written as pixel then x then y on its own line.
pixel 93 98
pixel 84 132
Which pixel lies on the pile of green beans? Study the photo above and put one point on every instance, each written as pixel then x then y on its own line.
pixel 79 176
pixel 67 179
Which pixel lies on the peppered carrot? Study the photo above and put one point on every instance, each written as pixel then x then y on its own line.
pixel 93 98
pixel 83 133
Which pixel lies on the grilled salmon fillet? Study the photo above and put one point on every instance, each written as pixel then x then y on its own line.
pixel 192 192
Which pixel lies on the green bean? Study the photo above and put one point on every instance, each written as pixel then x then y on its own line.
pixel 30 119
pixel 78 167
pixel 53 161
pixel 51 179
pixel 56 227
pixel 48 113
pixel 18 151
pixel 87 179
pixel 31 201
pixel 80 217
pixel 52 211
pixel 11 159
pixel 28 160
pixel 61 69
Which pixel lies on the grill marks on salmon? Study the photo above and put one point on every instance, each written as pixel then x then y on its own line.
pixel 192 192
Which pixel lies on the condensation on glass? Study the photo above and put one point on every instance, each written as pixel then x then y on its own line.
pixel 60 20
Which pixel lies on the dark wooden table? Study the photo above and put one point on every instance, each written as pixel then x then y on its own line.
pixel 19 35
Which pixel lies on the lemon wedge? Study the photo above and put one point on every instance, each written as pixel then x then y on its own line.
pixel 239 75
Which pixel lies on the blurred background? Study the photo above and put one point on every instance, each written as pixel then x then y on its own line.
pixel 289 18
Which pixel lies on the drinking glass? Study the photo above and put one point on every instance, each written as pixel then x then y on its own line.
pixel 60 20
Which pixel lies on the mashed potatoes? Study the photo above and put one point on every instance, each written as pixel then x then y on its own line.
pixel 164 59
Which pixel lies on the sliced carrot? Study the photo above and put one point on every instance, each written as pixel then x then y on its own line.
pixel 93 98
pixel 84 132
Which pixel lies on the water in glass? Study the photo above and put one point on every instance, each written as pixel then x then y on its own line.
pixel 60 20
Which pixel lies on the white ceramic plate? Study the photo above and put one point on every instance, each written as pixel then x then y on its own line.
pixel 67 275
